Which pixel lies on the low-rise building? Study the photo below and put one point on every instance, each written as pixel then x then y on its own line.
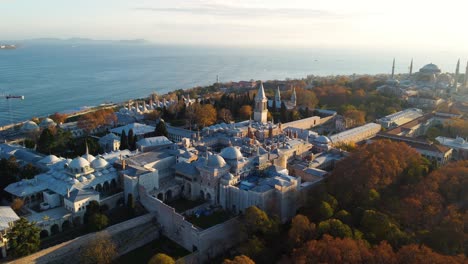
pixel 8 217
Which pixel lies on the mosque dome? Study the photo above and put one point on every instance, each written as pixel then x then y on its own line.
pixel 431 69
pixel 323 140
pixel 47 122
pixel 88 157
pixel 231 153
pixel 29 126
pixel 216 161
pixel 78 164
pixel 99 163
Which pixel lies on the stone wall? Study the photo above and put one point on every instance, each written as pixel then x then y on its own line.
pixel 113 200
pixel 127 236
pixel 208 243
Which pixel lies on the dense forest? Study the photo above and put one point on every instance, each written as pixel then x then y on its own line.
pixel 382 204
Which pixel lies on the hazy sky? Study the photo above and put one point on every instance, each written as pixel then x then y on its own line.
pixel 302 23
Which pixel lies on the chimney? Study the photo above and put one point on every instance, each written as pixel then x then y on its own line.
pixel 124 164
pixel 68 192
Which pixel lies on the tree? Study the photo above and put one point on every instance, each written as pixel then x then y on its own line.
pixel 46 139
pixel 225 115
pixel 206 115
pixel 325 210
pixel 59 118
pixel 98 221
pixel 356 116
pixel 100 250
pixel 23 238
pixel 245 112
pixel 131 142
pixel 161 129
pixel 161 258
pixel 414 254
pixel 256 221
pixel 17 204
pixel 123 141
pixel 242 259
pixel 301 230
pixel 335 228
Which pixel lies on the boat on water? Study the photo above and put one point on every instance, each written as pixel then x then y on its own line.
pixel 15 97
pixel 7 46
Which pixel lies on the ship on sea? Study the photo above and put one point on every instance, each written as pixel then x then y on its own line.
pixel 7 46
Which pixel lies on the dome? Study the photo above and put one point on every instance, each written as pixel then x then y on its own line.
pixel 99 163
pixel 78 163
pixel 90 176
pixel 231 153
pixel 430 68
pixel 47 122
pixel 216 161
pixel 50 159
pixel 88 157
pixel 323 140
pixel 29 126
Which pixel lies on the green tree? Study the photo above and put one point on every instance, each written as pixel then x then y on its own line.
pixel 256 221
pixel 161 129
pixel 131 140
pixel 46 139
pixel 325 210
pixel 161 258
pixel 97 222
pixel 335 228
pixel 23 238
pixel 123 140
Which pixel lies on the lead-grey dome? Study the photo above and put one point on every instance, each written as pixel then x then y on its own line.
pixel 430 68
pixel 216 161
pixel 231 153
pixel 323 140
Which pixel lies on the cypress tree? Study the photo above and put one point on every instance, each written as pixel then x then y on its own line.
pixel 161 129
pixel 123 140
pixel 131 140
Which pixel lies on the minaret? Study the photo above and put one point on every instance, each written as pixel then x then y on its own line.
pixel 411 68
pixel 393 69
pixel 457 73
pixel 465 83
pixel 293 97
pixel 278 97
pixel 261 111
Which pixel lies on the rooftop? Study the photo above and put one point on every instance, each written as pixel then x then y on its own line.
pixel 7 215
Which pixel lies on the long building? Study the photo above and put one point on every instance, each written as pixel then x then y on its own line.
pixel 356 134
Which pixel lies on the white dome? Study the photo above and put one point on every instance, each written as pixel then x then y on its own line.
pixel 99 163
pixel 323 140
pixel 50 159
pixel 88 157
pixel 231 153
pixel 29 126
pixel 78 163
pixel 216 161
pixel 47 122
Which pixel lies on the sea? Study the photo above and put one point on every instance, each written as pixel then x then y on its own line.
pixel 66 77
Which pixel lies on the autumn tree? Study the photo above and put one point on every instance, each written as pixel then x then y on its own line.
pixel 245 112
pixel 301 230
pixel 23 238
pixel 100 250
pixel 206 115
pixel 17 204
pixel 356 116
pixel 161 258
pixel 415 254
pixel 59 118
pixel 242 259
pixel 225 115
pixel 306 98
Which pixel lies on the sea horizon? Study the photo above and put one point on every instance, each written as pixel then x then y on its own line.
pixel 66 76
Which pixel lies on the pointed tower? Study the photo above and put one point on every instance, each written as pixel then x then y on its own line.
pixel 411 68
pixel 293 97
pixel 261 111
pixel 457 74
pixel 278 97
pixel 393 69
pixel 465 82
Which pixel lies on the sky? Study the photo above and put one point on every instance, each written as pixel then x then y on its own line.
pixel 373 24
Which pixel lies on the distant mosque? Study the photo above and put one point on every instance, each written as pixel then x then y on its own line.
pixel 429 79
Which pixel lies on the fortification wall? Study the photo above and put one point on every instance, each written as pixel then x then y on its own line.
pixel 127 236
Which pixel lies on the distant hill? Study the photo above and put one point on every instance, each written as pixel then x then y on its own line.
pixel 82 41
